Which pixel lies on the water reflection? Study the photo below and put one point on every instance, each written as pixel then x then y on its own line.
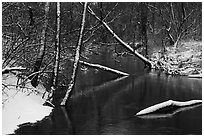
pixel 57 123
pixel 110 109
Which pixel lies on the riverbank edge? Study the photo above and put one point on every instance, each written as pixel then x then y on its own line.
pixel 186 60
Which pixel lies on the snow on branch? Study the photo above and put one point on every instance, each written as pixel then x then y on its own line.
pixel 119 40
pixel 167 105
pixel 97 66
pixel 8 69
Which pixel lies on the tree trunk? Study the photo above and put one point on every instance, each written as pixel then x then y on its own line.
pixel 76 61
pixel 153 20
pixel 40 56
pixel 177 40
pixel 103 36
pixel 129 48
pixel 143 25
pixel 57 57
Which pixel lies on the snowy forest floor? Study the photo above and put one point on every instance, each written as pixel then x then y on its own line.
pixel 21 103
pixel 185 60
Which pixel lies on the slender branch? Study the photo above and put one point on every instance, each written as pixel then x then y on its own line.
pixel 109 44
pixel 21 29
pixel 96 27
pixel 186 18
pixel 11 48
pixel 14 50
pixel 7 70
pixel 10 4
pixel 110 11
pixel 172 13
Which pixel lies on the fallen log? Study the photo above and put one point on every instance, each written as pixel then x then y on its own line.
pixel 97 66
pixel 169 114
pixel 167 105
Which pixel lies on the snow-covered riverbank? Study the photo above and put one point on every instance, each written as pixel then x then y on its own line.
pixel 185 60
pixel 21 105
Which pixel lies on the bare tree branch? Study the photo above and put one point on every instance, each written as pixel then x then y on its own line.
pixel 97 66
pixel 10 4
pixel 8 59
pixel 40 56
pixel 110 11
pixel 145 60
pixel 8 69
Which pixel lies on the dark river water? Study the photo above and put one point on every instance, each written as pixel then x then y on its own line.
pixel 104 104
pixel 110 108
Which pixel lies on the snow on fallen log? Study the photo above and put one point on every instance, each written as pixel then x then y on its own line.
pixel 195 76
pixel 168 114
pixel 8 69
pixel 166 105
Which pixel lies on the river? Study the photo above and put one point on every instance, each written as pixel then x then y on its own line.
pixel 105 104
pixel 110 108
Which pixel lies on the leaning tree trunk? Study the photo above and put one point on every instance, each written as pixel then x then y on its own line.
pixel 57 57
pixel 129 48
pixel 76 61
pixel 40 56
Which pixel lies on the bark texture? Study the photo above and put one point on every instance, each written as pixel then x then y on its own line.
pixel 76 60
pixel 57 57
pixel 41 54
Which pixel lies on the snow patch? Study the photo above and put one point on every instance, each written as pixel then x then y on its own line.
pixel 21 109
pixel 21 105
